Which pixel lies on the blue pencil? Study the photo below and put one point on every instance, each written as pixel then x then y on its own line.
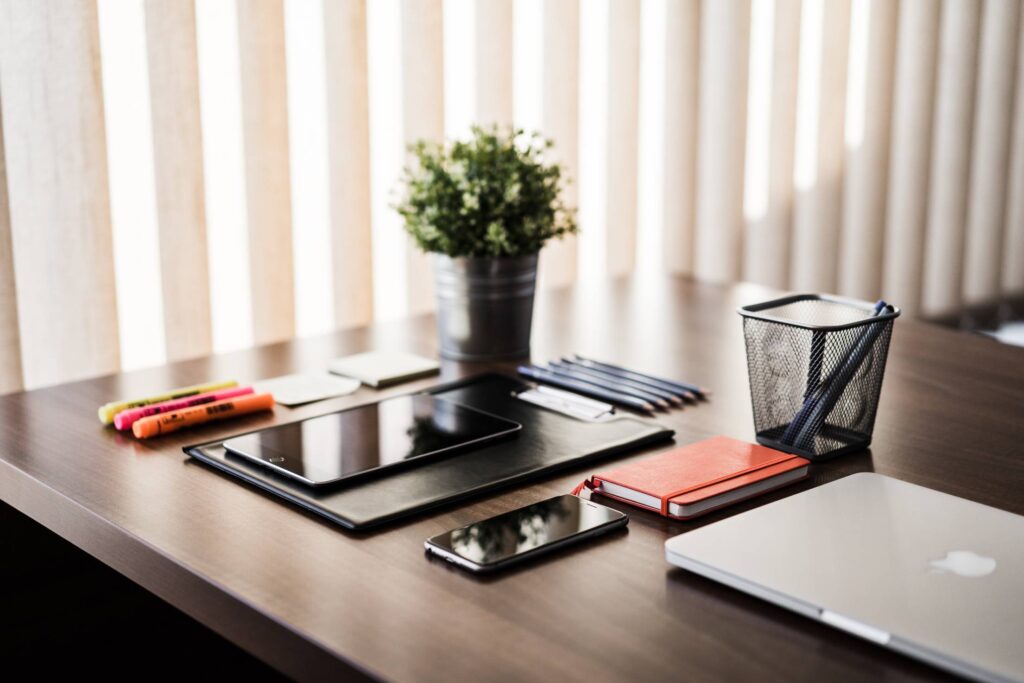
pixel 681 389
pixel 606 383
pixel 547 377
pixel 597 373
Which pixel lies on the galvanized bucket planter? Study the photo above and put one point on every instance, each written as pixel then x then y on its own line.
pixel 485 306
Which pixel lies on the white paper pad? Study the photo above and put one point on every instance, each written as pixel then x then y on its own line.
pixel 293 390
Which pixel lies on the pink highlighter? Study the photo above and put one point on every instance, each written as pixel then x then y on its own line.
pixel 126 418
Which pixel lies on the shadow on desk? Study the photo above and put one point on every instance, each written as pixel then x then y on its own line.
pixel 66 612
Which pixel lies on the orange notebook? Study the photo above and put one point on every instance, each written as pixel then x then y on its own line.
pixel 695 479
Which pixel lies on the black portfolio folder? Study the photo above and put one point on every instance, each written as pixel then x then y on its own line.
pixel 548 440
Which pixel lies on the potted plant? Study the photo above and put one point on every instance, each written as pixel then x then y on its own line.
pixel 484 207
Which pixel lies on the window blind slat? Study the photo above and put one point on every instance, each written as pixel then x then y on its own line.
pixel 950 163
pixel 348 135
pixel 422 116
pixel 178 161
pixel 724 56
pixel 818 205
pixel 1013 252
pixel 10 345
pixel 267 182
pixel 913 100
pixel 767 243
pixel 560 116
pixel 867 158
pixel 58 189
pixel 623 99
pixel 493 39
pixel 682 68
pixel 990 150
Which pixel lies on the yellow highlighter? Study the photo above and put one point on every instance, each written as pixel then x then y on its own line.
pixel 108 411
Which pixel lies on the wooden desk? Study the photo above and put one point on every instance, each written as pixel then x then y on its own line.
pixel 315 601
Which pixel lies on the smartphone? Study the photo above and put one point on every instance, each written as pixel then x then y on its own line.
pixel 350 443
pixel 512 537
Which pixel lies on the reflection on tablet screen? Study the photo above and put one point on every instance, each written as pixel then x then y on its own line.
pixel 332 447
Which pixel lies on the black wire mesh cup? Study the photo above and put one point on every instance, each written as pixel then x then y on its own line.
pixel 816 364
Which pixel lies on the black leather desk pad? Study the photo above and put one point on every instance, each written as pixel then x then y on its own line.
pixel 547 441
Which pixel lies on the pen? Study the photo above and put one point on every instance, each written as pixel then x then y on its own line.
pixel 108 411
pixel 210 412
pixel 624 381
pixel 126 418
pixel 667 384
pixel 542 375
pixel 812 414
pixel 609 384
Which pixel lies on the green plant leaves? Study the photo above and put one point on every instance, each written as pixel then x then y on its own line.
pixel 492 195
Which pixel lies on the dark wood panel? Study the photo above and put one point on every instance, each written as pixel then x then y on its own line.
pixel 314 600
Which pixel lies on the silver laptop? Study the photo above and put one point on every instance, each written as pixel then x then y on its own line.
pixel 931 575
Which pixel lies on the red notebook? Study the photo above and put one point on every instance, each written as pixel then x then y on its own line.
pixel 692 480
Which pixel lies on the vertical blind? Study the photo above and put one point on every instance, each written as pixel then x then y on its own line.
pixel 178 178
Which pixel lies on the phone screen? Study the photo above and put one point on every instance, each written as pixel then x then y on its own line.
pixel 340 445
pixel 521 531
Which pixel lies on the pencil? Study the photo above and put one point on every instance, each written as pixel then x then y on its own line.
pixel 667 384
pixel 546 377
pixel 663 394
pixel 609 384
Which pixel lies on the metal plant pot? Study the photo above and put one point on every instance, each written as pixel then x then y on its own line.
pixel 485 306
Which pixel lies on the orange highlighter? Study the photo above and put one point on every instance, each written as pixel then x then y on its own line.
pixel 210 412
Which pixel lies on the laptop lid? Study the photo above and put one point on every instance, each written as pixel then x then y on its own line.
pixel 932 575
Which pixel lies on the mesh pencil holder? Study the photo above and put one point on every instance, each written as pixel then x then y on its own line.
pixel 816 364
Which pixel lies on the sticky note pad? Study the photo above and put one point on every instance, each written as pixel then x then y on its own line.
pixel 293 390
pixel 381 368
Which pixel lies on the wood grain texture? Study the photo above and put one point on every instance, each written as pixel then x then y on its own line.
pixel 178 160
pixel 682 87
pixel 767 241
pixel 267 183
pixel 721 147
pixel 1013 252
pixel 818 208
pixel 348 140
pixel 913 102
pixel 422 118
pixel 317 602
pixel 623 135
pixel 55 146
pixel 560 105
pixel 866 167
pixel 990 152
pixel 953 122
pixel 10 338
pixel 493 49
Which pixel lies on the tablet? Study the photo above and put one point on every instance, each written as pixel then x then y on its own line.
pixel 355 442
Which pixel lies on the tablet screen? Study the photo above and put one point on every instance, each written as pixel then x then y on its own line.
pixel 336 446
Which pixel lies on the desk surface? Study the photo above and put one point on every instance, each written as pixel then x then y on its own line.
pixel 315 601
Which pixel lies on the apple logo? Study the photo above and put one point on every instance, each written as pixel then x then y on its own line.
pixel 963 563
